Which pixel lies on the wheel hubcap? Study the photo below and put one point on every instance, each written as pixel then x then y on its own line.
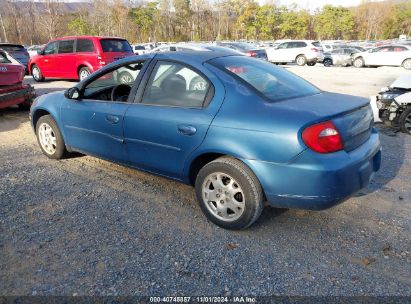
pixel 407 64
pixel 84 74
pixel 126 79
pixel 47 138
pixel 223 197
pixel 408 123
pixel 36 73
pixel 300 60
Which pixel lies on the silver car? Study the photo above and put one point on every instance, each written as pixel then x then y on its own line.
pixel 341 56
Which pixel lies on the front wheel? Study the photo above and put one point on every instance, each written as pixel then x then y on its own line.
pixel 229 193
pixel 405 121
pixel 358 63
pixel 407 64
pixel 49 138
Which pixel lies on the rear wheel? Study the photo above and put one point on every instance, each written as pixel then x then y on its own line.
pixel 327 62
pixel 358 63
pixel 49 138
pixel 36 73
pixel 407 64
pixel 83 73
pixel 229 193
pixel 405 121
pixel 301 60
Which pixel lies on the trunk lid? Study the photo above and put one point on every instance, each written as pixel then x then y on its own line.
pixel 351 115
pixel 11 74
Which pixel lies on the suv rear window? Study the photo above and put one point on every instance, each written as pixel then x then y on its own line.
pixel 115 45
pixel 12 47
pixel 272 82
pixel 316 44
pixel 84 45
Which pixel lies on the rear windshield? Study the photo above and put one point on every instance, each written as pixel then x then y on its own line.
pixel 272 82
pixel 317 44
pixel 12 47
pixel 115 45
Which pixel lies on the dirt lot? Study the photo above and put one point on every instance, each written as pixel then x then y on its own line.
pixel 87 227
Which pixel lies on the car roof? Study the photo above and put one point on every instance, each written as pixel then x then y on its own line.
pixel 87 37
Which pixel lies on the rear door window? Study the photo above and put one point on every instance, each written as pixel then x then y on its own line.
pixel 84 45
pixel 115 46
pixel 66 46
pixel 174 84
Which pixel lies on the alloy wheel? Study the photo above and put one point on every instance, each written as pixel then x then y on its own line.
pixel 407 123
pixel 47 138
pixel 223 196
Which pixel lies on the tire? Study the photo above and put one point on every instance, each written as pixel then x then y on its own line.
pixel 244 196
pixel 36 73
pixel 51 142
pixel 358 62
pixel 405 121
pixel 327 62
pixel 406 64
pixel 301 60
pixel 311 63
pixel 83 73
pixel 125 78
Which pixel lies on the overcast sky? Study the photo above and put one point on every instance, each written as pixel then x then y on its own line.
pixel 313 4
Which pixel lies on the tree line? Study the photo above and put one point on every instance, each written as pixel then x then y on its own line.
pixel 32 22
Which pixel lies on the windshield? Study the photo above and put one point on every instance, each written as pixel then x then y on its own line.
pixel 115 45
pixel 273 82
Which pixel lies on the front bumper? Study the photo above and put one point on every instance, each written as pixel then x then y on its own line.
pixel 316 181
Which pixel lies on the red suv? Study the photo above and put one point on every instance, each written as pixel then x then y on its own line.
pixel 77 57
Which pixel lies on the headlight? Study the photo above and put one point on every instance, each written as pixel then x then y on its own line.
pixel 388 96
pixel 380 105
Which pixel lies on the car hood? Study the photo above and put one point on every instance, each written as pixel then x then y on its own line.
pixel 402 82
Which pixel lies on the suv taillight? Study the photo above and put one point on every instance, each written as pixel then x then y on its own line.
pixel 251 54
pixel 315 50
pixel 323 138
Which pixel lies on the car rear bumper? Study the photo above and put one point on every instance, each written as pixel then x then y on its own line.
pixel 319 181
pixel 15 95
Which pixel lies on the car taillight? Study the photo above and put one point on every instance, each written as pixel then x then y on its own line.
pixel 315 50
pixel 251 54
pixel 323 138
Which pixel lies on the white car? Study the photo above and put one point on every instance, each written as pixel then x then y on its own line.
pixel 300 51
pixel 387 55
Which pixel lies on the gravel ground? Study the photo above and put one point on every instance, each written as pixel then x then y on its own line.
pixel 84 226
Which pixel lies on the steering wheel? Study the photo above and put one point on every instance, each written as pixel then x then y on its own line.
pixel 120 92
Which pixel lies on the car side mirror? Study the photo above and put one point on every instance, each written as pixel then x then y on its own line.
pixel 72 93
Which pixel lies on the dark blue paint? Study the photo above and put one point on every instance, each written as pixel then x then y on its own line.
pixel 237 122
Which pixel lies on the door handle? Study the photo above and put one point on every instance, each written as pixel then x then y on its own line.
pixel 187 129
pixel 112 119
pixel 46 60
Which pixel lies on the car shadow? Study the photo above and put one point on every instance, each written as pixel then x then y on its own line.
pixel 12 117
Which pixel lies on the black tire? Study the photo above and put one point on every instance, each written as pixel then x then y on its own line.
pixel 83 73
pixel 301 60
pixel 405 121
pixel 311 63
pixel 327 62
pixel 358 62
pixel 406 64
pixel 37 76
pixel 248 183
pixel 125 78
pixel 60 147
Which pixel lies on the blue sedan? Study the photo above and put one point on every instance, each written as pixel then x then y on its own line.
pixel 241 130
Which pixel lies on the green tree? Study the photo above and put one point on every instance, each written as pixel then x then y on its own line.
pixel 145 19
pixel 294 23
pixel 334 23
pixel 79 26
